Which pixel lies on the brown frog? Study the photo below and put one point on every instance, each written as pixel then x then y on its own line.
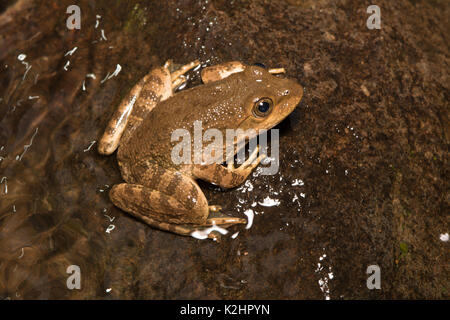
pixel 163 194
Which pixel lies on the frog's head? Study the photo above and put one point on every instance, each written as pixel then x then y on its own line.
pixel 267 99
pixel 249 100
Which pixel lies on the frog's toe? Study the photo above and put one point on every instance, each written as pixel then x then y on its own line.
pixel 219 219
pixel 251 163
pixel 215 236
pixel 214 208
pixel 225 222
pixel 215 226
pixel 177 71
pixel 221 71
pixel 253 160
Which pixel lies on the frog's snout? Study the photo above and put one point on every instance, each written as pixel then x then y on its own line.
pixel 294 93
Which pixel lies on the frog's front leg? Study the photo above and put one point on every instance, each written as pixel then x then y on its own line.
pixel 170 201
pixel 228 177
pixel 156 86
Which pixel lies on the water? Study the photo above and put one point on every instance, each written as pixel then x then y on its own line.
pixel 362 177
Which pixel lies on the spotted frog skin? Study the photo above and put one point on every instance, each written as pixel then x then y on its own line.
pixel 161 193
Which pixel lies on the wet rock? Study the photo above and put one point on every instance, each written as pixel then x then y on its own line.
pixel 369 143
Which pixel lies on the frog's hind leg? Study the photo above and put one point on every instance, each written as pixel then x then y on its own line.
pixel 221 71
pixel 172 202
pixel 156 86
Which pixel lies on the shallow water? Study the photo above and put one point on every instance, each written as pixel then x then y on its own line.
pixel 363 173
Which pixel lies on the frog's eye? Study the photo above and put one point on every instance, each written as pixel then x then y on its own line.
pixel 259 64
pixel 262 107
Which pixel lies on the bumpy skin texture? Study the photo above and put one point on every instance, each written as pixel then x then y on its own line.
pixel 161 193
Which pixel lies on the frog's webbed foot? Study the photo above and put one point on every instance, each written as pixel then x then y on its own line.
pixel 247 167
pixel 251 163
pixel 218 219
pixel 229 176
pixel 223 70
pixel 215 226
pixel 177 72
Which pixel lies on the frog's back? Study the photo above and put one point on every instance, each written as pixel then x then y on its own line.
pixel 209 103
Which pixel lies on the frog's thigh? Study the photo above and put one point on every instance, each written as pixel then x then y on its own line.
pixel 221 71
pixel 169 197
pixel 142 99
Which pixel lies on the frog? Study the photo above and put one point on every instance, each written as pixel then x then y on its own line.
pixel 164 194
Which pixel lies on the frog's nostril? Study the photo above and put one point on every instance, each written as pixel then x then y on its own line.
pixel 259 64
